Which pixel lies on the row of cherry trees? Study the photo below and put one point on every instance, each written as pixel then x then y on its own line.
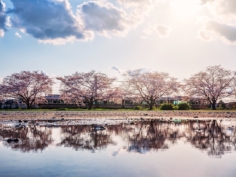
pixel 213 84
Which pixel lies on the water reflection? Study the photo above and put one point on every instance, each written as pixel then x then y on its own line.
pixel 212 136
pixel 83 137
pixel 215 137
pixel 30 138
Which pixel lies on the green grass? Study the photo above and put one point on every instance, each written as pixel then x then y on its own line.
pixel 65 109
pixel 106 109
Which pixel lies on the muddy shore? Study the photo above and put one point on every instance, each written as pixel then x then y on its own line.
pixel 25 115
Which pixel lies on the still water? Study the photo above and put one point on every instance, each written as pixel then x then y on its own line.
pixel 144 148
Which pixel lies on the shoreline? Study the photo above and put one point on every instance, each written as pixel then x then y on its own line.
pixel 45 115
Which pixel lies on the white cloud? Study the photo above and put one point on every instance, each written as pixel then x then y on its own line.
pixel 161 30
pixel 222 10
pixel 1 33
pixel 222 24
pixel 223 7
pixel 120 71
pixel 131 3
pixel 105 18
pixel 18 35
pixel 22 30
pixel 138 9
pixel 3 19
pixel 116 69
pixel 59 40
pixel 50 21
pixel 143 70
pixel 53 21
pixel 213 30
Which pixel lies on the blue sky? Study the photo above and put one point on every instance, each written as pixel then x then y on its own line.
pixel 60 37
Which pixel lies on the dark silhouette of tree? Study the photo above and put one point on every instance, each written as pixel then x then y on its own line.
pixel 31 138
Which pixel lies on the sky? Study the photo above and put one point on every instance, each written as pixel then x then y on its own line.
pixel 60 37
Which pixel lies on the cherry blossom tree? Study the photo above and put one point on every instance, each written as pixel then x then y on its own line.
pixel 1 97
pixel 149 86
pixel 214 83
pixel 29 87
pixel 87 87
pixel 1 94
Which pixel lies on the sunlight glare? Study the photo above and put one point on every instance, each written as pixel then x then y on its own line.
pixel 186 8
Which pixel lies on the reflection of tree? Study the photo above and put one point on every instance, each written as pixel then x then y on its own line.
pixel 152 135
pixel 82 137
pixel 144 136
pixel 211 136
pixel 31 138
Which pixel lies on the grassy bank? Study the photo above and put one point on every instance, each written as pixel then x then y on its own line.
pixel 104 109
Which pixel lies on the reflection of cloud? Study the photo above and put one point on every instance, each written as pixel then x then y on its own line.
pixel 118 152
pixel 215 30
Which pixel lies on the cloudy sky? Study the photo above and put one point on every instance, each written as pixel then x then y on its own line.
pixel 60 37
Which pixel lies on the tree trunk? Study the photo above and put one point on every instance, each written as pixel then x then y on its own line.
pixel 96 104
pixel 150 106
pixel 151 103
pixel 90 104
pixel 28 105
pixel 123 103
pixel 214 104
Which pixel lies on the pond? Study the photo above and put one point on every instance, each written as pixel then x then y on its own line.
pixel 139 148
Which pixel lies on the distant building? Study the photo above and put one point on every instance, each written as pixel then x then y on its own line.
pixel 170 100
pixel 10 104
pixel 198 103
pixel 54 99
pixel 231 105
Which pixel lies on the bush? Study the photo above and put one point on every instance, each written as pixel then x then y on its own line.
pixel 176 107
pixel 221 105
pixel 166 106
pixel 183 106
pixel 138 108
pixel 62 109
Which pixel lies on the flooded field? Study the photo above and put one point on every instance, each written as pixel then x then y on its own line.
pixel 118 147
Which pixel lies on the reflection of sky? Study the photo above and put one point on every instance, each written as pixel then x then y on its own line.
pixel 180 159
